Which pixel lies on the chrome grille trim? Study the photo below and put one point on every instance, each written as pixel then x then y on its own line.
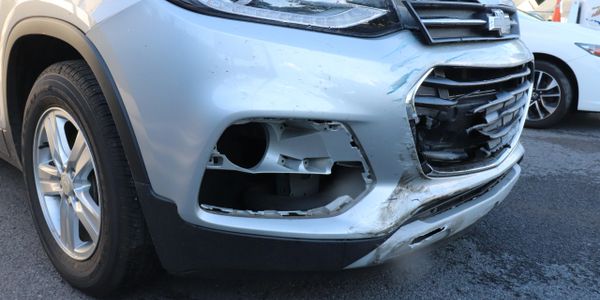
pixel 452 22
pixel 445 82
pixel 460 21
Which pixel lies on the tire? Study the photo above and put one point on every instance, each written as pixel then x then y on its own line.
pixel 112 248
pixel 552 96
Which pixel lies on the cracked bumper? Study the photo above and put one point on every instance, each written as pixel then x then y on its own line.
pixel 422 233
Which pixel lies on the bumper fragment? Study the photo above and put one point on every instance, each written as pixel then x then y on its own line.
pixel 422 233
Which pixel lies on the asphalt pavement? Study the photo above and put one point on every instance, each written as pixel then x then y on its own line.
pixel 542 242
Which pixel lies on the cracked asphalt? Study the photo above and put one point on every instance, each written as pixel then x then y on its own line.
pixel 542 242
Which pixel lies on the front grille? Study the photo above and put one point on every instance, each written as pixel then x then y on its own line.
pixel 467 118
pixel 459 21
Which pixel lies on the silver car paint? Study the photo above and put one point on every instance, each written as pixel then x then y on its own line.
pixel 197 75
pixel 185 77
pixel 446 224
pixel 83 14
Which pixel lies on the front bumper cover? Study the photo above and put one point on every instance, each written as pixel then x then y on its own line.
pixel 181 99
pixel 183 247
pixel 187 98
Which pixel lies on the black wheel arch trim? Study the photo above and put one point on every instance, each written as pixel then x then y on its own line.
pixel 73 36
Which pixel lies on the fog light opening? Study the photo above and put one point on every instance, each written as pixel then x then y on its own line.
pixel 244 144
pixel 291 168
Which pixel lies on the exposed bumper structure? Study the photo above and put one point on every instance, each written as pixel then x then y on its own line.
pixel 181 106
pixel 421 233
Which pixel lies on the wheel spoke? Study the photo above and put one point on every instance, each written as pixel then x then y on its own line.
pixel 88 212
pixel 69 225
pixel 550 109
pixel 57 140
pixel 550 85
pixel 80 159
pixel 550 95
pixel 48 171
pixel 539 80
pixel 538 110
pixel 50 187
pixel 49 179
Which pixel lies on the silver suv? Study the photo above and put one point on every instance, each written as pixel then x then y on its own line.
pixel 263 134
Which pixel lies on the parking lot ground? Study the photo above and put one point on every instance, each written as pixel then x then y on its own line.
pixel 542 242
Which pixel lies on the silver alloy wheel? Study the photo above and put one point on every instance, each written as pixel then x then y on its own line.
pixel 545 98
pixel 66 183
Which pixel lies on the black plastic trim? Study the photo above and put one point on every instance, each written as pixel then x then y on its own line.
pixel 183 247
pixel 71 35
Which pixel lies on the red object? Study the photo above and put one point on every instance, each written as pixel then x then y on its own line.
pixel 556 14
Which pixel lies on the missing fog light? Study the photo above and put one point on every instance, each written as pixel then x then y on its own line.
pixel 284 168
pixel 244 145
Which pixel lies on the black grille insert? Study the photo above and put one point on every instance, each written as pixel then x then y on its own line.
pixel 468 117
pixel 459 21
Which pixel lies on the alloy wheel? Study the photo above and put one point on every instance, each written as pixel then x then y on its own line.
pixel 66 183
pixel 545 98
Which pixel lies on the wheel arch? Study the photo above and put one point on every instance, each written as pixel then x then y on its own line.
pixel 561 64
pixel 71 43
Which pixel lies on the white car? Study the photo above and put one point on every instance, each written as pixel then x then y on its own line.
pixel 567 69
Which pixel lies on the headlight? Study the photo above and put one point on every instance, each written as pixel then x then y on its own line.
pixel 351 17
pixel 592 49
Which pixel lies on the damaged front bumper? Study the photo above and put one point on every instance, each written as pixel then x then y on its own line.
pixel 326 88
pixel 420 233
pixel 185 248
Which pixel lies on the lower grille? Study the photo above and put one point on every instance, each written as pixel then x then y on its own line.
pixel 442 205
pixel 467 118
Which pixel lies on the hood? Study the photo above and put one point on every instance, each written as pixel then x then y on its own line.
pixel 568 32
